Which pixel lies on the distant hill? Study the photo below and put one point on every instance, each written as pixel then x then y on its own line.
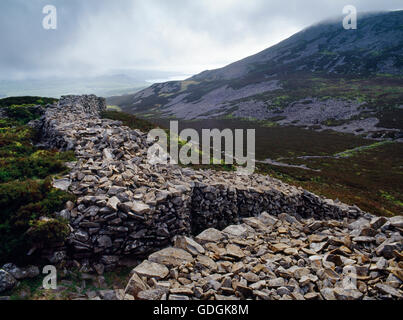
pixel 115 82
pixel 7 102
pixel 322 77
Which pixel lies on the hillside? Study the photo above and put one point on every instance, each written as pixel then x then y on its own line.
pixel 224 236
pixel 323 77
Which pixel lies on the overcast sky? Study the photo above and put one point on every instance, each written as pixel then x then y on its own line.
pixel 185 36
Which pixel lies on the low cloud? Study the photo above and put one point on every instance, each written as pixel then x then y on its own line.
pixel 186 36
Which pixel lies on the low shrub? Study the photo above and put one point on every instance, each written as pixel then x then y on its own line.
pixel 47 230
pixel 25 205
pixel 27 199
pixel 6 102
pixel 39 164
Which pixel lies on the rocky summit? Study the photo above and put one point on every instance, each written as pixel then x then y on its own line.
pixel 221 235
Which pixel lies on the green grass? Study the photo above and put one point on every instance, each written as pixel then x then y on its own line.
pixel 113 108
pixel 391 198
pixel 328 53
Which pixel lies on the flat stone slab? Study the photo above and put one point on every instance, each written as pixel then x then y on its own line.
pixel 397 221
pixel 152 270
pixel 189 245
pixel 62 184
pixel 172 257
pixel 210 235
pixel 236 231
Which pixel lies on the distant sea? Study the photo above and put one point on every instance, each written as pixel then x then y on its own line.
pixel 174 78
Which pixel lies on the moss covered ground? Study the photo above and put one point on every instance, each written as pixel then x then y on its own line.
pixel 27 199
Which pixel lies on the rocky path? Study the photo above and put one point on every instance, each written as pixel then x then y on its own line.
pixel 286 165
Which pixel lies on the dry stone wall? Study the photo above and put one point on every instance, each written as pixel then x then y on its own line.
pixel 125 206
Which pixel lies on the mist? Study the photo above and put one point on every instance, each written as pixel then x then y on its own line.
pixel 96 37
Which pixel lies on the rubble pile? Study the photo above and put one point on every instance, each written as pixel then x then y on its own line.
pixel 298 248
